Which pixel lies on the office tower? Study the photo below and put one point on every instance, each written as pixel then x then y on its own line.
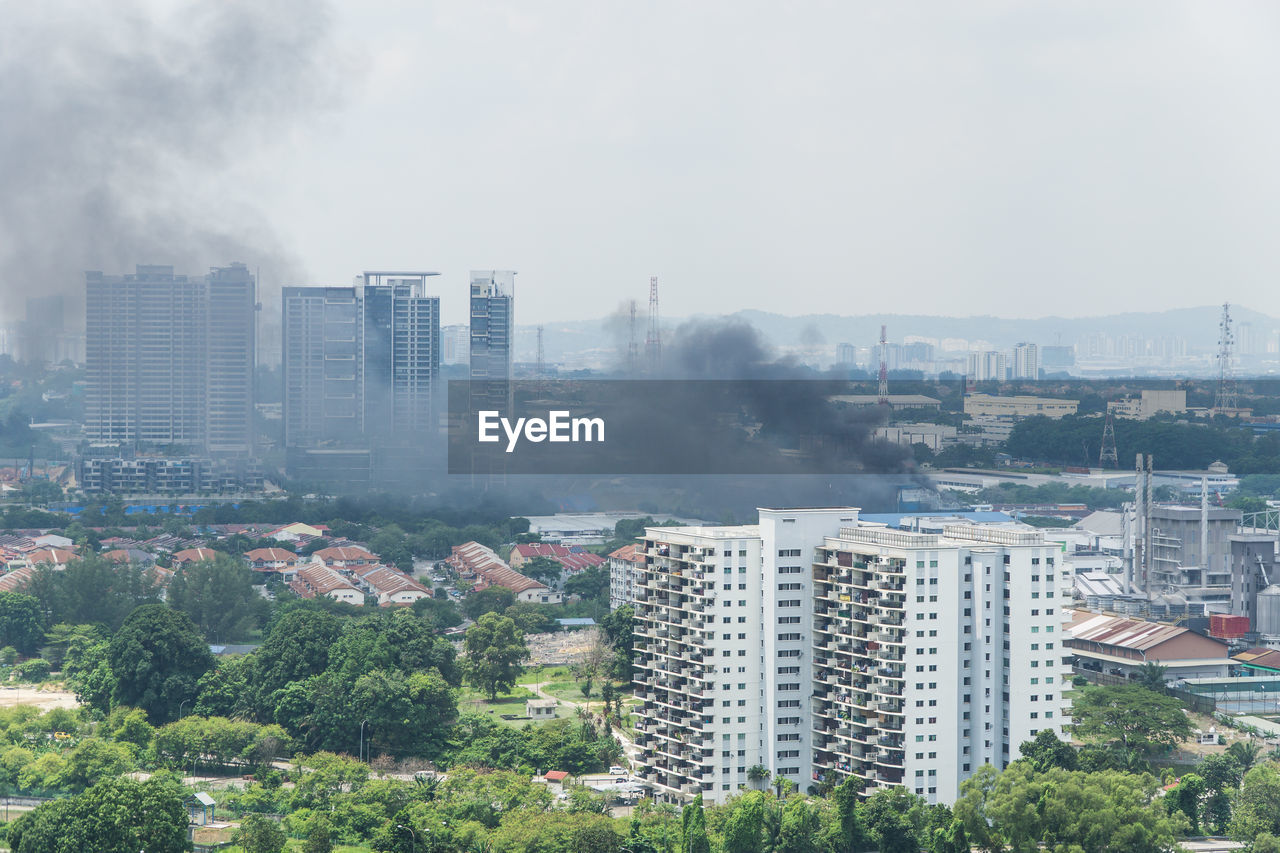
pixel 846 355
pixel 169 358
pixel 492 338
pixel 822 647
pixel 1026 362
pixel 360 363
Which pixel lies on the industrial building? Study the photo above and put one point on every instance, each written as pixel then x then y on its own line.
pixel 1121 647
pixel 1022 406
pixel 823 646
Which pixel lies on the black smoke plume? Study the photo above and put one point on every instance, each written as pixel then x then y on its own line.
pixel 120 123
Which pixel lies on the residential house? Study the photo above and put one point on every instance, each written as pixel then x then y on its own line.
pixel 390 586
pixel 345 557
pixel 316 579
pixel 278 561
pixel 193 555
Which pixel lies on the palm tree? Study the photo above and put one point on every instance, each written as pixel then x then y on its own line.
pixel 1246 753
pixel 759 773
pixel 1152 676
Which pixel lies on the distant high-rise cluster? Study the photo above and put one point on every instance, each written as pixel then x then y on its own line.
pixel 361 363
pixel 170 359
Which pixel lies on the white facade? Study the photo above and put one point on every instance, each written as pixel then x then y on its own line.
pixel 820 647
pixel 625 566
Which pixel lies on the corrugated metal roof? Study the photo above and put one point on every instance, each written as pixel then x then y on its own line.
pixel 1121 632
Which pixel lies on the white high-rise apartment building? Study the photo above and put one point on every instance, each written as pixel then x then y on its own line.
pixel 1026 362
pixel 819 647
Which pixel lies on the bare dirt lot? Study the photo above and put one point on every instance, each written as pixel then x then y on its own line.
pixel 43 696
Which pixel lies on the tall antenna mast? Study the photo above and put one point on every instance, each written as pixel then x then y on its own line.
pixel 1107 456
pixel 541 363
pixel 633 346
pixel 653 343
pixel 884 366
pixel 1226 398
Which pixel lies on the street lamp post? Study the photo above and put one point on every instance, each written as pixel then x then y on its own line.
pixel 412 835
pixel 362 725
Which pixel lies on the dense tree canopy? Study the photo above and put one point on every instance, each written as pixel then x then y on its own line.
pixel 157 658
pixel 22 622
pixel 219 597
pixel 1132 717
pixel 114 816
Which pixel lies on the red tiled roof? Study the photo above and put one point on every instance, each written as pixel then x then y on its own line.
pixel 345 554
pixel 556 776
pixel 52 556
pixel 319 579
pixel 193 555
pixel 572 558
pixel 387 582
pixel 271 555
pixel 16 579
pixel 629 554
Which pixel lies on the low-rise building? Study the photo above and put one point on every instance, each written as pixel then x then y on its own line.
pixel 346 557
pixel 316 579
pixel 274 561
pixel 1120 646
pixel 389 586
pixel 1151 402
pixel 193 555
pixel 1020 406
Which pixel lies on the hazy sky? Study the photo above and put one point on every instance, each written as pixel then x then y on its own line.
pixel 936 157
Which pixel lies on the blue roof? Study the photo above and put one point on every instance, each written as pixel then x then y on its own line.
pixel 576 622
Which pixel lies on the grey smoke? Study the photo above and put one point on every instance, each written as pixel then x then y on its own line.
pixel 123 122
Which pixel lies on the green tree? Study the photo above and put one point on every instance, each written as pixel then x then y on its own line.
pixel 744 828
pixel 1132 717
pixel 1246 753
pixel 852 836
pixel 21 622
pixel 318 838
pixel 1090 812
pixel 157 658
pixel 1257 804
pixel 494 599
pixel 297 647
pixel 114 816
pixel 798 830
pixel 494 651
pixel 1186 797
pixel 1152 676
pixel 542 569
pixel 259 834
pixel 589 584
pixel 693 828
pixel 219 596
pixel 93 591
pixel 1046 750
